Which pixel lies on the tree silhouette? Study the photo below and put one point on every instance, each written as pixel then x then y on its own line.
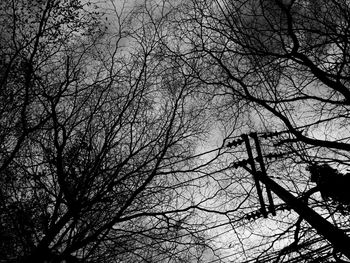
pixel 98 140
pixel 109 113
pixel 277 65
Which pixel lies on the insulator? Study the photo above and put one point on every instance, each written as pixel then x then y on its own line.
pixel 274 155
pixel 235 143
pixel 271 211
pixel 257 214
pixel 284 207
pixel 250 216
pixel 270 134
pixel 269 156
pixel 244 162
pixel 240 163
pixel 253 134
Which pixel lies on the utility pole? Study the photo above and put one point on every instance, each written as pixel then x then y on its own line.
pixel 333 234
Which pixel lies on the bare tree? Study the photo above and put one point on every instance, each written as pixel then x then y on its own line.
pixel 99 133
pixel 282 65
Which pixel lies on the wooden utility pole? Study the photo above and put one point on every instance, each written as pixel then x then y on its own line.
pixel 333 234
